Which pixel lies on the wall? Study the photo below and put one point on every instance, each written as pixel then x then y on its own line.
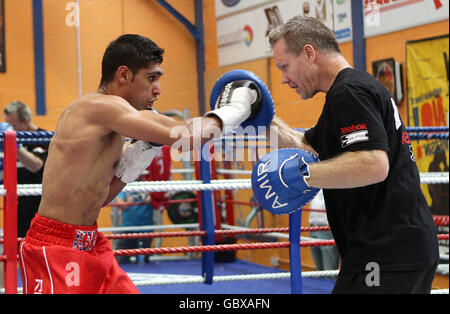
pixel 101 21
pixel 393 45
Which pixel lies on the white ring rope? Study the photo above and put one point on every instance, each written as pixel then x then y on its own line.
pixel 200 279
pixel 198 185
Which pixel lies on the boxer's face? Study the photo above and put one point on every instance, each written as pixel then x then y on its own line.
pixel 144 86
pixel 297 71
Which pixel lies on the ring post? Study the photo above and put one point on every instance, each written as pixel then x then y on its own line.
pixel 10 213
pixel 295 222
pixel 207 216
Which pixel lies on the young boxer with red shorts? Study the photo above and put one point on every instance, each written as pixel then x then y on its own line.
pixel 88 165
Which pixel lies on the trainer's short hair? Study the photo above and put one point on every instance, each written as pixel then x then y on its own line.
pixel 303 30
pixel 23 112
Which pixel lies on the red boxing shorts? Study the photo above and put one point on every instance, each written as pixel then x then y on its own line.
pixel 57 258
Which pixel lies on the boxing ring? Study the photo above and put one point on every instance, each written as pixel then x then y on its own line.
pixel 208 227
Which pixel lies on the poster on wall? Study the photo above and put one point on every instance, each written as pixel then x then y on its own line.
pixel 382 17
pixel 427 68
pixel 242 36
pixel 2 37
pixel 389 73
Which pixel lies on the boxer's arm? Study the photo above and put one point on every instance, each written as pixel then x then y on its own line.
pixel 154 127
pixel 350 170
pixel 195 132
pixel 115 187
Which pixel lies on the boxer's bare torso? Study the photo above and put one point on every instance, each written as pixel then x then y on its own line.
pixel 83 155
pixel 87 146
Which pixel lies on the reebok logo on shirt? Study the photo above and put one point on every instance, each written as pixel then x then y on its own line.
pixel 353 128
pixel 354 134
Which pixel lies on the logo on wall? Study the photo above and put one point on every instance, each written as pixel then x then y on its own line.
pixel 249 36
pixel 230 3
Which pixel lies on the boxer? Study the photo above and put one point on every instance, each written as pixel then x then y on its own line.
pixel 88 164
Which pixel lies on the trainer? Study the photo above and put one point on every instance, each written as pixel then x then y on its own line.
pixel 377 213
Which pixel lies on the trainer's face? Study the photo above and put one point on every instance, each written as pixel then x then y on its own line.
pixel 297 71
pixel 145 86
pixel 13 119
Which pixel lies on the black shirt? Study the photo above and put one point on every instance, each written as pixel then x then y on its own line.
pixel 389 222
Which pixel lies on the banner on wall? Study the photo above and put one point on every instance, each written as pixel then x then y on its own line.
pixel 242 36
pixel 381 17
pixel 427 67
pixel 226 7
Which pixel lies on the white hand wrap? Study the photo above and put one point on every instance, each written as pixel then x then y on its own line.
pixel 235 109
pixel 135 160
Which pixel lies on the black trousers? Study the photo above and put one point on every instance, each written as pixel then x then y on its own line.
pixel 389 282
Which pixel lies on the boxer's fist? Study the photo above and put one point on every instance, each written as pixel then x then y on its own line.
pixel 136 158
pixel 238 101
pixel 240 98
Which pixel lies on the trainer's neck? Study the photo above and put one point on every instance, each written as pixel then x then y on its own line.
pixel 330 68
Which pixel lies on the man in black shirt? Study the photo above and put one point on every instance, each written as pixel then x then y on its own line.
pixel 377 213
pixel 30 166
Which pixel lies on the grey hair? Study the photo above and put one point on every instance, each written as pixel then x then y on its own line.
pixel 303 30
pixel 23 112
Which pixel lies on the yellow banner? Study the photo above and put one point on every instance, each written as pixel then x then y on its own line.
pixel 428 102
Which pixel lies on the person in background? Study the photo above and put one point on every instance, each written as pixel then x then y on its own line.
pixel 160 170
pixel 135 210
pixel 4 126
pixel 30 167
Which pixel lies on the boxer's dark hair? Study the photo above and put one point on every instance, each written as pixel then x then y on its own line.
pixel 134 51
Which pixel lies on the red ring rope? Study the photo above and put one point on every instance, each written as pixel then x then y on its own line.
pixel 229 247
pixel 203 233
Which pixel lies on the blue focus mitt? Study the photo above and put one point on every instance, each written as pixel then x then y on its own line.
pixel 279 180
pixel 240 98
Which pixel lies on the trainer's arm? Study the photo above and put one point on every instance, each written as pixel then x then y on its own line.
pixel 32 162
pixel 281 135
pixel 350 170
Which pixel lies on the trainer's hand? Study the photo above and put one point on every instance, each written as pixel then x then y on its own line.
pixel 238 101
pixel 136 158
pixel 279 180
